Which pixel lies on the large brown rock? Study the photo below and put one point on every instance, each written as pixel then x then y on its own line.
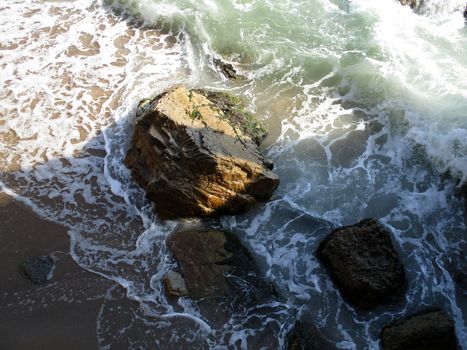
pixel 428 331
pixel 196 154
pixel 363 264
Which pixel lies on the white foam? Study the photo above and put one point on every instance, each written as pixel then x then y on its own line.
pixel 352 91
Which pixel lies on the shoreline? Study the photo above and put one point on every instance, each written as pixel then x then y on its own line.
pixel 61 313
pixel 342 151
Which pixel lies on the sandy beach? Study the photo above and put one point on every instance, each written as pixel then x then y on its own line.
pixel 365 110
pixel 60 314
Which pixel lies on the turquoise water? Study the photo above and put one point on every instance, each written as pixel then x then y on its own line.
pixel 381 56
pixel 366 104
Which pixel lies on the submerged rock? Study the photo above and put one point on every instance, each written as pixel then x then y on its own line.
pixel 37 268
pixel 227 69
pixel 411 3
pixel 215 264
pixel 363 264
pixel 304 336
pixel 175 284
pixel 196 154
pixel 428 331
pixel 220 275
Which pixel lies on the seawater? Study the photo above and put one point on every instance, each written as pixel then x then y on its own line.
pixel 366 105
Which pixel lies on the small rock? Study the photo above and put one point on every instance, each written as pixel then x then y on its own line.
pixel 429 331
pixel 142 106
pixel 175 284
pixel 226 68
pixel 37 268
pixel 304 336
pixel 411 3
pixel 364 264
pixel 268 163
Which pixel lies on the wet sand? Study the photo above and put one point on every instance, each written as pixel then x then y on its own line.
pixel 62 314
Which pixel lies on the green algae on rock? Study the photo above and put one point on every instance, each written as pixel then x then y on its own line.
pixel 196 154
pixel 235 113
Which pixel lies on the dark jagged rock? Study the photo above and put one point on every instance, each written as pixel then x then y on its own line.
pixel 196 154
pixel 429 331
pixel 300 339
pixel 304 336
pixel 37 268
pixel 364 264
pixel 411 3
pixel 227 69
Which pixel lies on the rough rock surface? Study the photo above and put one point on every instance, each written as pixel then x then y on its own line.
pixel 304 336
pixel 215 264
pixel 411 3
pixel 429 331
pixel 363 264
pixel 37 268
pixel 227 69
pixel 196 154
pixel 175 284
pixel 219 273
